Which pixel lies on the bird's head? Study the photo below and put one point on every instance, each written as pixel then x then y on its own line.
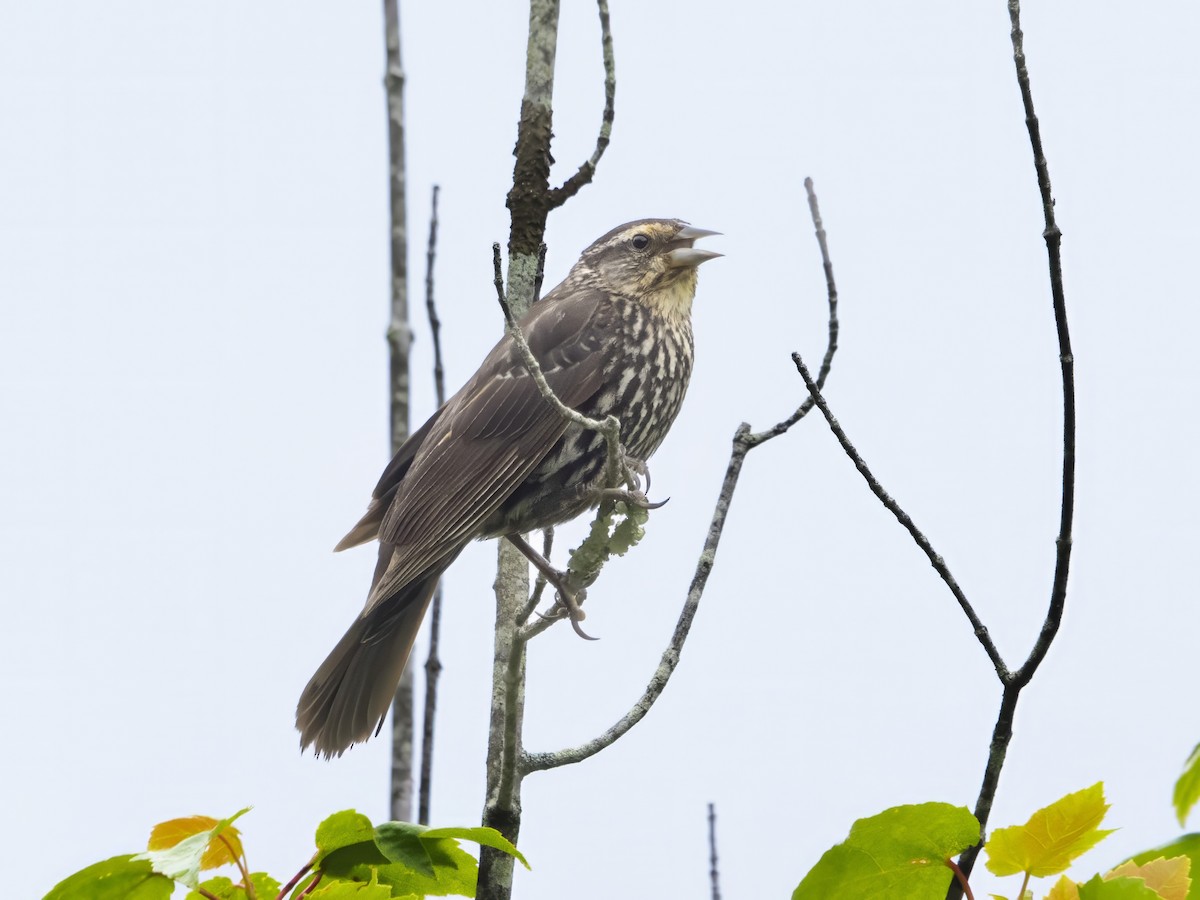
pixel 651 260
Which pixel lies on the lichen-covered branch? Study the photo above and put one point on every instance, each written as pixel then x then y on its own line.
pixel 399 336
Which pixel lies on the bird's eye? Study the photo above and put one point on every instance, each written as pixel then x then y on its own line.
pixel 640 242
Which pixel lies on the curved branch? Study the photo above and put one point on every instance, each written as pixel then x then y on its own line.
pixel 1002 733
pixel 744 440
pixel 560 195
pixel 1053 236
pixel 939 565
pixel 433 664
pixel 831 343
pixel 536 762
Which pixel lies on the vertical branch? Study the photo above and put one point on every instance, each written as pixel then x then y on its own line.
pixel 1002 733
pixel 712 852
pixel 528 200
pixel 529 207
pixel 399 340
pixel 1053 237
pixel 433 665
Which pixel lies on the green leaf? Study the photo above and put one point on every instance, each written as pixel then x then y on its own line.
pixel 1116 889
pixel 455 873
pixel 119 878
pixel 1188 845
pixel 487 837
pixel 343 829
pixel 899 854
pixel 1053 837
pixel 1187 788
pixel 352 890
pixel 401 843
pixel 265 888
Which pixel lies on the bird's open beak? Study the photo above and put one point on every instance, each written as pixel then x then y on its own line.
pixel 682 253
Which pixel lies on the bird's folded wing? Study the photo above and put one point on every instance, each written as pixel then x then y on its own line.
pixel 492 434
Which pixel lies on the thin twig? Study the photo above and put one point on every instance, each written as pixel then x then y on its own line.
pixel 744 440
pixel 539 587
pixel 560 195
pixel 831 343
pixel 433 664
pixel 239 860
pixel 939 564
pixel 1053 237
pixel 312 886
pixel 535 762
pixel 435 324
pixel 961 879
pixel 712 852
pixel 1002 732
pixel 287 888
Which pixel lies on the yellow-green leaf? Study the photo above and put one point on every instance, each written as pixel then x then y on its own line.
pixel 221 850
pixel 1053 838
pixel 182 857
pixel 1064 889
pixel 1169 878
pixel 1187 788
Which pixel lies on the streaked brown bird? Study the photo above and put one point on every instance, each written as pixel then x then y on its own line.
pixel 498 460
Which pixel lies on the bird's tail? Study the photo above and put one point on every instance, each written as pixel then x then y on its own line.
pixel 346 700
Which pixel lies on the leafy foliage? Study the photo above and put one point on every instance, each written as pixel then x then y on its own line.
pixel 900 854
pixel 1187 788
pixel 354 860
pixel 1053 837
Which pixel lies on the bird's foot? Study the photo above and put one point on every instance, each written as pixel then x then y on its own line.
pixel 568 595
pixel 567 605
pixel 636 470
pixel 634 499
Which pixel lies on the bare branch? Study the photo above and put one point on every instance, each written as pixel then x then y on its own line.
pixel 539 586
pixel 831 343
pixel 433 665
pixel 435 324
pixel 1053 236
pixel 399 336
pixel 712 852
pixel 939 565
pixel 560 195
pixel 1002 732
pixel 534 762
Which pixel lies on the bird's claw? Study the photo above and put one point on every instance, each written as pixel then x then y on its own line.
pixel 636 469
pixel 636 499
pixel 566 605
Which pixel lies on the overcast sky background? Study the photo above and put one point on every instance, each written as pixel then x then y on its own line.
pixel 193 298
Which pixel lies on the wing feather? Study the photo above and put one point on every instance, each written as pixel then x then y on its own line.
pixel 491 435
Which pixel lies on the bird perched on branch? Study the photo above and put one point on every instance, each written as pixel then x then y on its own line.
pixel 497 460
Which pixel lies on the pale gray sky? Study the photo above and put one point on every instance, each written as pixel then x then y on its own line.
pixel 193 295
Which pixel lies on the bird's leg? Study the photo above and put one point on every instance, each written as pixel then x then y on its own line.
pixel 569 596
